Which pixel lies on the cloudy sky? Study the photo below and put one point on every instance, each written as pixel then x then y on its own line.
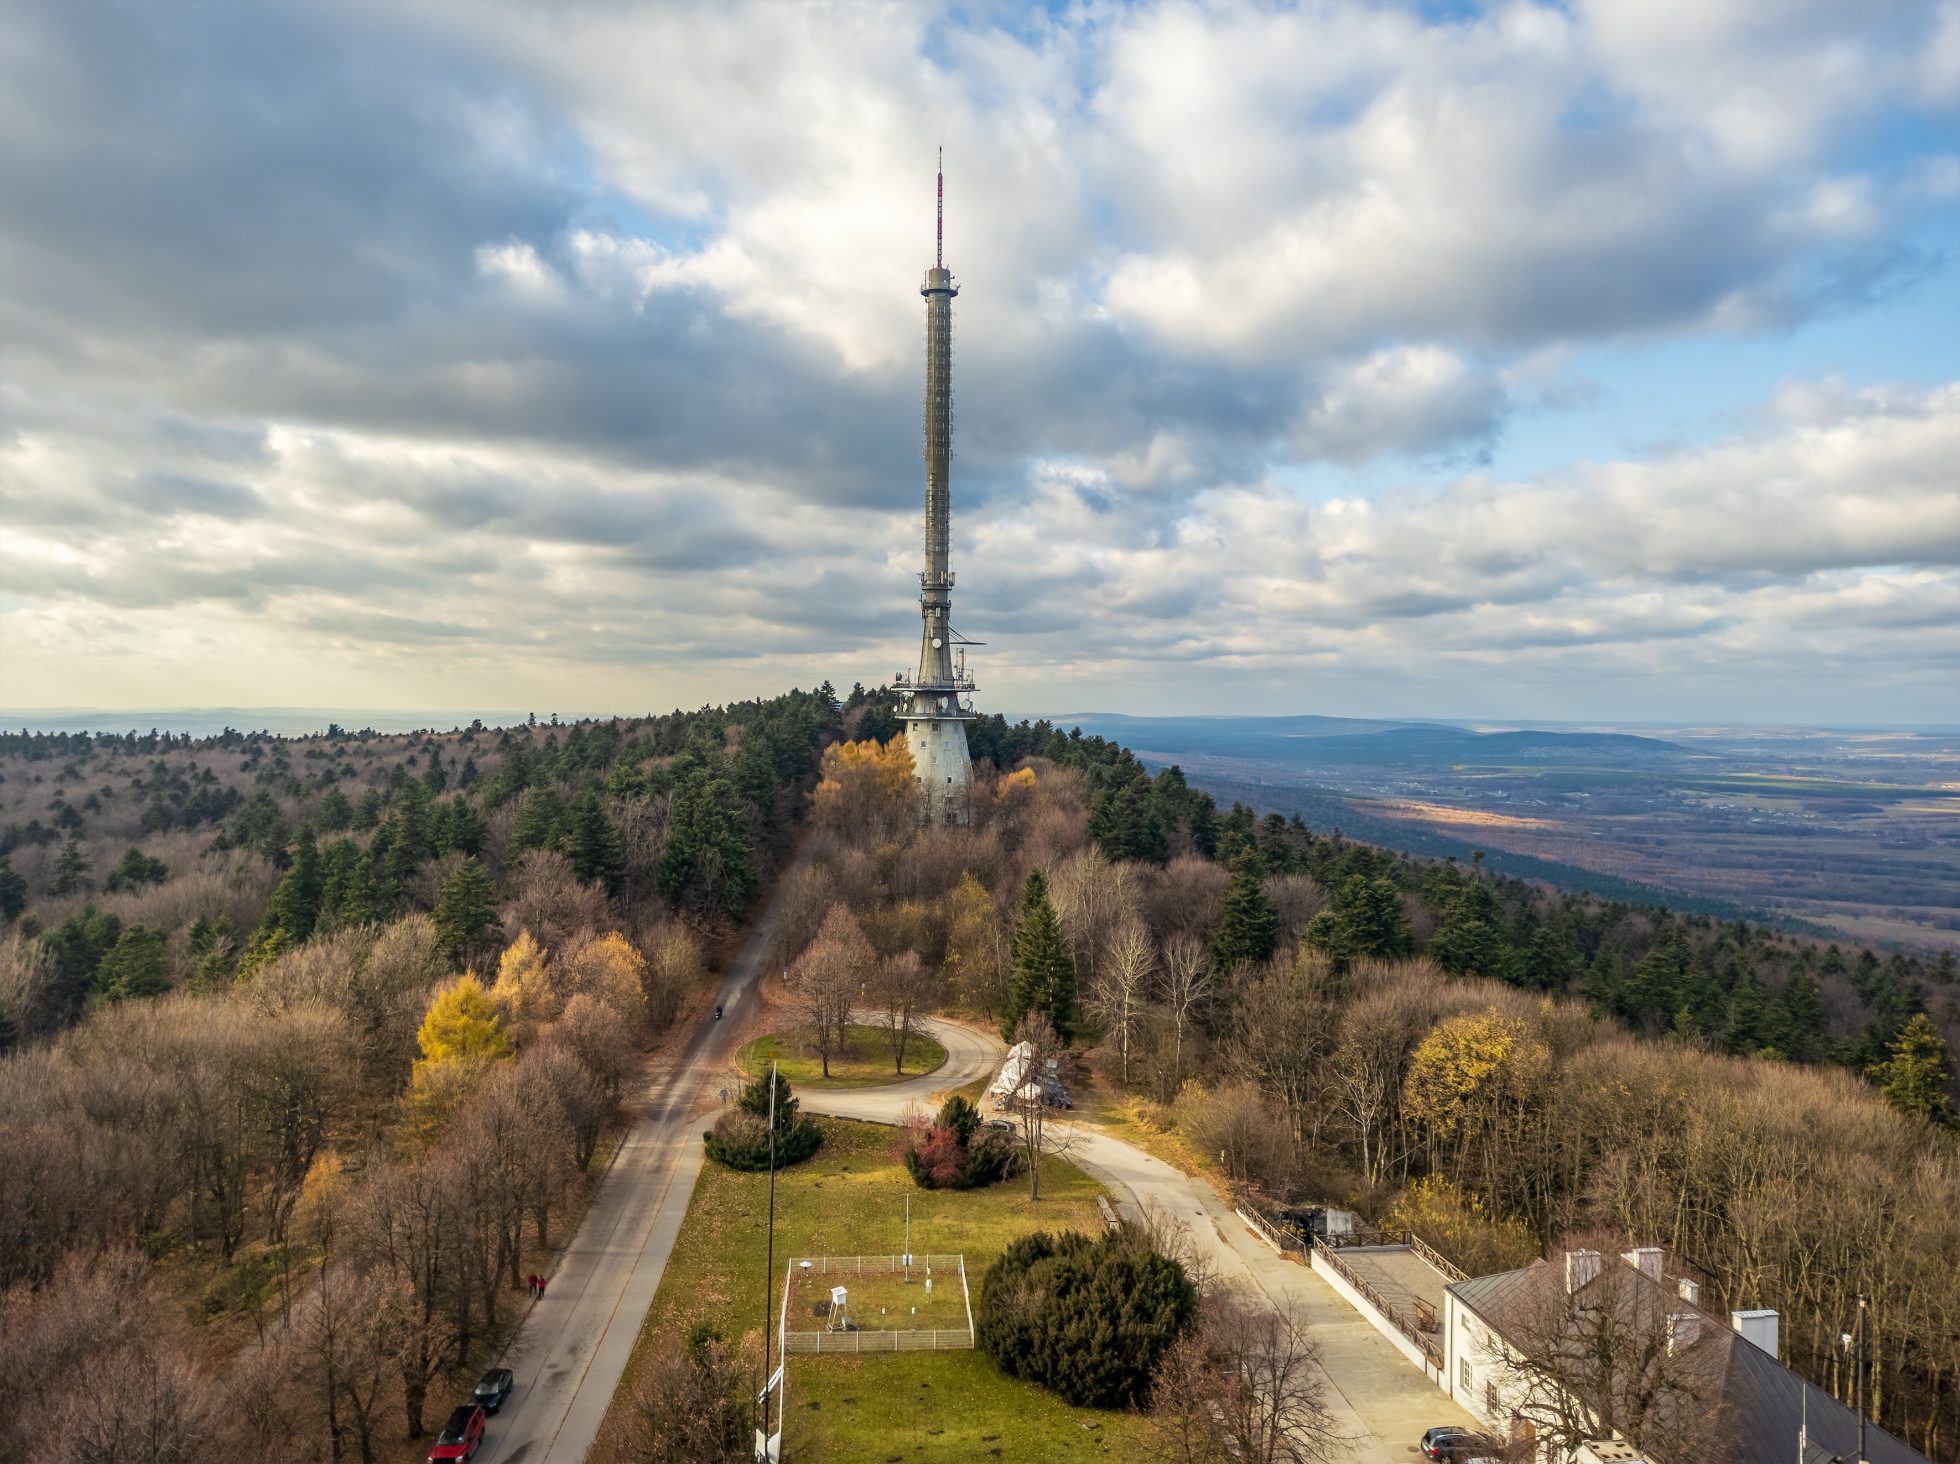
pixel 1587 361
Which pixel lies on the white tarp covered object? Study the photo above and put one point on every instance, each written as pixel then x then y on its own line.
pixel 1016 1072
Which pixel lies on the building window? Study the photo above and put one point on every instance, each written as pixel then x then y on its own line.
pixel 1463 1373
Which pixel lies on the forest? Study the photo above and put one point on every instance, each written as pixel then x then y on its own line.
pixel 316 1043
pixel 312 1043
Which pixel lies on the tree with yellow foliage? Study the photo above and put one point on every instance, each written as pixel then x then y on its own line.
pixel 976 965
pixel 1471 1090
pixel 867 793
pixel 609 968
pixel 460 1037
pixel 524 993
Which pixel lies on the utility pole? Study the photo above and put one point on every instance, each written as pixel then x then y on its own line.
pixel 1863 1386
pixel 763 1450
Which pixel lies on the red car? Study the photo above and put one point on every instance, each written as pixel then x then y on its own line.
pixel 461 1437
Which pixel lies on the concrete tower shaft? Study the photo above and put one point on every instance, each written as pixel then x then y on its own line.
pixel 936 584
pixel 932 704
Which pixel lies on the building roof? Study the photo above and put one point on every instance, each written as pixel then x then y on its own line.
pixel 1769 1402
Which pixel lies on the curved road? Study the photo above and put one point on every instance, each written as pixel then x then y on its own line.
pixel 573 1346
pixel 1382 1403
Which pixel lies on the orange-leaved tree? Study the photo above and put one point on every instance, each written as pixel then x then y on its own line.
pixel 867 793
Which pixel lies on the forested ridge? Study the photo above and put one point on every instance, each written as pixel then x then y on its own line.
pixel 1494 1064
pixel 254 1099
pixel 316 1043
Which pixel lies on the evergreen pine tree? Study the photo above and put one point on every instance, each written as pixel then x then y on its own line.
pixel 466 908
pixel 537 821
pixel 1044 966
pixel 435 777
pixel 754 772
pixel 295 905
pixel 1803 1012
pixel 1369 920
pixel 1470 941
pixel 13 890
pixel 136 966
pixel 71 869
pixel 1917 1077
pixel 1248 921
pixel 597 849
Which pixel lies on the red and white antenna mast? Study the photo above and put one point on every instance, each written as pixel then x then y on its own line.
pixel 939 239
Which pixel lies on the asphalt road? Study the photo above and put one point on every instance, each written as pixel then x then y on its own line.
pixel 572 1348
pixel 1382 1403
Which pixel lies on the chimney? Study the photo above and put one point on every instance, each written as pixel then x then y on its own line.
pixel 1682 1330
pixel 1581 1266
pixel 1690 1291
pixel 1756 1326
pixel 1646 1260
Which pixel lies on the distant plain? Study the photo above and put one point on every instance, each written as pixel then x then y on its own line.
pixel 1856 831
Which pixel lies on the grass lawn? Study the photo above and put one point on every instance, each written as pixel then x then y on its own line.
pixel 850 1200
pixel 864 1062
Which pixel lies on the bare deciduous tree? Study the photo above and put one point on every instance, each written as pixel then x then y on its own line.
pixel 1120 989
pixel 829 978
pixel 900 989
pixel 1245 1387
pixel 1615 1353
pixel 1185 981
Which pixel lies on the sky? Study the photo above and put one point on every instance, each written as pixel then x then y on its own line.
pixel 1586 361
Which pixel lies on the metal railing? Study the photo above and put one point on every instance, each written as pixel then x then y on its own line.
pixel 1431 1353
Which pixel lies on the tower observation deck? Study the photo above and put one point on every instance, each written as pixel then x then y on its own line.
pixel 936 703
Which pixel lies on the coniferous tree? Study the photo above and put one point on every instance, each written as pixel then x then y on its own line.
pixel 537 821
pixel 1248 921
pixel 1803 1016
pixel 71 869
pixel 336 813
pixel 1044 965
pixel 136 966
pixel 466 909
pixel 708 863
pixel 754 772
pixel 1917 1077
pixel 1471 940
pixel 13 890
pixel 295 903
pixel 597 849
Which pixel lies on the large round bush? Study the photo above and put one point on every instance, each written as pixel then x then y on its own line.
pixel 1088 1319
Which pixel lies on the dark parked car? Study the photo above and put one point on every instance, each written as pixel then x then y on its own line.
pixel 461 1437
pixel 1453 1444
pixel 492 1388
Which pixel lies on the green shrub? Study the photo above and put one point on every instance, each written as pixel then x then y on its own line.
pixel 1087 1319
pixel 740 1139
pixel 953 1154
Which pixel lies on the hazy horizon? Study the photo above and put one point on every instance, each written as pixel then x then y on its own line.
pixel 1584 358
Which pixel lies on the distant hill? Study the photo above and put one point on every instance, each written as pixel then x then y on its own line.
pixel 1358 742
